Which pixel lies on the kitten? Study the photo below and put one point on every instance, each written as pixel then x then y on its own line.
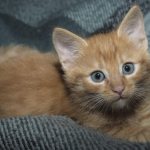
pixel 102 82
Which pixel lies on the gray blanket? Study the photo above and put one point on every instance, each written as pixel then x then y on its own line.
pixel 31 22
pixel 56 133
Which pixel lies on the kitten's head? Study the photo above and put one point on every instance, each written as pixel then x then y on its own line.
pixel 107 72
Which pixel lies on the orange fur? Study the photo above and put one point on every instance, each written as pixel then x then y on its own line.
pixel 136 125
pixel 29 83
pixel 33 83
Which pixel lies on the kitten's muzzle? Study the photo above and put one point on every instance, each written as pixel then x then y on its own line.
pixel 118 89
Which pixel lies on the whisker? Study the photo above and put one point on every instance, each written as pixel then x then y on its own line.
pixel 91 102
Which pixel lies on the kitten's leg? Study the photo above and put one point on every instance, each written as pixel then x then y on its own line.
pixel 134 134
pixel 142 136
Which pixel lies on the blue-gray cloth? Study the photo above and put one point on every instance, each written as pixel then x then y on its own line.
pixel 31 22
pixel 56 133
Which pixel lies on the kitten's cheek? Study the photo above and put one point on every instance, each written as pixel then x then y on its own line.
pixel 129 91
pixel 94 87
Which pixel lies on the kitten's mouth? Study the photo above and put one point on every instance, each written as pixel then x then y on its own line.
pixel 120 98
pixel 119 102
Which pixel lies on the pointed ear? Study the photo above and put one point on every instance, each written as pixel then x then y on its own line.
pixel 68 46
pixel 132 27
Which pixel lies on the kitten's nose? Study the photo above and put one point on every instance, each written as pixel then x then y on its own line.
pixel 118 89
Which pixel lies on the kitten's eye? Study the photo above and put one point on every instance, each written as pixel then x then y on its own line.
pixel 97 76
pixel 128 68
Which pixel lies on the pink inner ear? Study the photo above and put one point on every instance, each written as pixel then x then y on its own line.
pixel 68 46
pixel 67 51
pixel 68 57
pixel 136 33
pixel 132 27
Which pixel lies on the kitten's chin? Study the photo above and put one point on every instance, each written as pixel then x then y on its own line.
pixel 119 104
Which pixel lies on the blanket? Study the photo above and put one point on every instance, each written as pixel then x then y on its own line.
pixel 56 133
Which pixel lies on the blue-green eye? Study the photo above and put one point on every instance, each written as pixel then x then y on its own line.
pixel 97 76
pixel 128 68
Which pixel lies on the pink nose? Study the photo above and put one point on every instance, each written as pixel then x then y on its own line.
pixel 118 89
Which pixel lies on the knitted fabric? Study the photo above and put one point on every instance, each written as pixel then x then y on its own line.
pixel 31 22
pixel 56 133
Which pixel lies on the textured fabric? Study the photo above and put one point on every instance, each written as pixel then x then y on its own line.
pixel 56 133
pixel 31 22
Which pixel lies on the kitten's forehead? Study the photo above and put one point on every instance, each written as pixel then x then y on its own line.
pixel 104 50
pixel 108 53
pixel 109 49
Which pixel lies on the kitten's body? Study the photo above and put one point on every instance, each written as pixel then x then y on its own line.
pixel 33 83
pixel 30 83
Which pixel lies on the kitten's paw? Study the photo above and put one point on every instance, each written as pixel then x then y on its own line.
pixel 143 136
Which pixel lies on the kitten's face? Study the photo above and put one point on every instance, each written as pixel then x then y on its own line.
pixel 107 73
pixel 112 76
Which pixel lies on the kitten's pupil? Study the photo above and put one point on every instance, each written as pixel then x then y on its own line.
pixel 128 68
pixel 97 76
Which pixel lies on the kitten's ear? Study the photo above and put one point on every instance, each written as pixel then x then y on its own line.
pixel 132 27
pixel 68 46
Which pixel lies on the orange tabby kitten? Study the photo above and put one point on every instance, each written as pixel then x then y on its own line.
pixel 104 82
